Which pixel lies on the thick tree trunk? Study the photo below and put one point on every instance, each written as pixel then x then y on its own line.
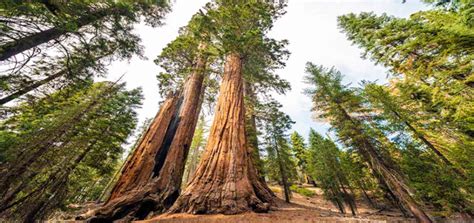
pixel 152 179
pixel 390 175
pixel 139 168
pixel 13 48
pixel 226 180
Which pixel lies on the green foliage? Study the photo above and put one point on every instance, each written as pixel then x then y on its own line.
pixel 62 144
pixel 102 32
pixel 325 167
pixel 279 164
pixel 431 56
pixel 436 184
pixel 303 191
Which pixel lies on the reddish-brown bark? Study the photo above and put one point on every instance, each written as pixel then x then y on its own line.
pixel 226 180
pixel 138 170
pixel 151 181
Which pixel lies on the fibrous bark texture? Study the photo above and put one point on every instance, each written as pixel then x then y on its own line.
pixel 226 180
pixel 151 181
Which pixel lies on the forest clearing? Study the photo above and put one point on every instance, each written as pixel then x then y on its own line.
pixel 237 111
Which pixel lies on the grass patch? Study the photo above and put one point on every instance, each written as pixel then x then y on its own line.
pixel 303 191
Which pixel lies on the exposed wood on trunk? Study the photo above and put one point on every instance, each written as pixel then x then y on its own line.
pixel 138 170
pixel 226 180
pixel 151 181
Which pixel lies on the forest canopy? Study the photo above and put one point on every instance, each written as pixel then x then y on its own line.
pixel 224 139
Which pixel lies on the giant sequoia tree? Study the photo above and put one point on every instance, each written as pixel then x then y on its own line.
pixel 227 161
pixel 336 103
pixel 151 178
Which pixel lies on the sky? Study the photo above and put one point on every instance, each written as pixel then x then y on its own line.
pixel 310 26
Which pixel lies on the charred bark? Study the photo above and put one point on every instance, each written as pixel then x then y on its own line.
pixel 151 181
pixel 139 169
pixel 226 180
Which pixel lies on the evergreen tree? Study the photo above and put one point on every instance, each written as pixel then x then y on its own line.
pixel 301 154
pixel 336 102
pixel 240 27
pixel 151 179
pixel 430 55
pixel 196 149
pixel 325 167
pixel 279 164
pixel 71 44
pixel 50 158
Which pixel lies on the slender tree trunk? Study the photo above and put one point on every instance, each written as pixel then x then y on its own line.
pixel 336 200
pixel 151 181
pixel 366 195
pixel 226 180
pixel 193 162
pixel 30 87
pixel 17 170
pixel 42 82
pixel 394 180
pixel 251 126
pixel 438 153
pixel 284 179
pixel 348 198
pixel 13 48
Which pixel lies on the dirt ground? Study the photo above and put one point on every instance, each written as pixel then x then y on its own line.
pixel 302 209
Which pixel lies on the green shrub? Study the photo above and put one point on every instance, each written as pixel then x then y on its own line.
pixel 303 191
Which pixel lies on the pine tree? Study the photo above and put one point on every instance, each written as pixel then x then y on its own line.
pixel 336 102
pixel 275 138
pixel 430 55
pixel 301 154
pixel 325 166
pixel 71 154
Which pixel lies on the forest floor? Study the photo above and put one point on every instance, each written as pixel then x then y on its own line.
pixel 301 209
